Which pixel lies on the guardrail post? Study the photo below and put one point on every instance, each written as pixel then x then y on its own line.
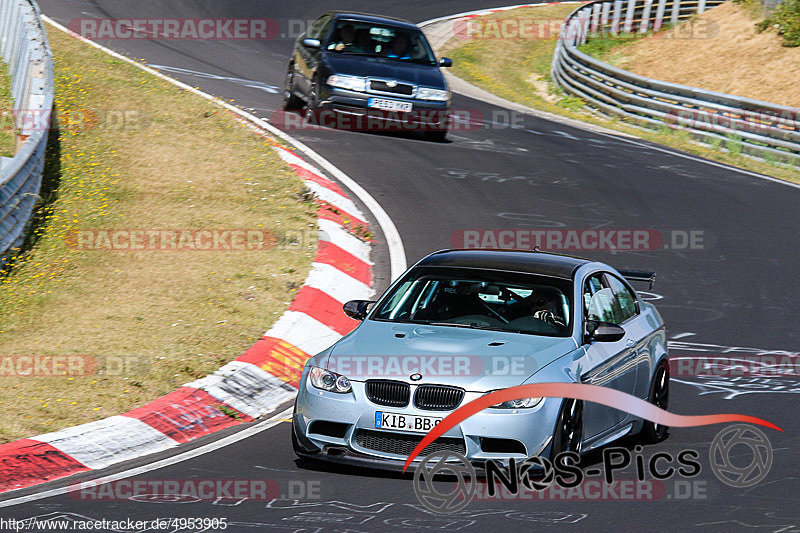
pixel 617 17
pixel 662 4
pixel 595 18
pixel 605 17
pixel 629 15
pixel 645 16
pixel 676 11
pixel 701 7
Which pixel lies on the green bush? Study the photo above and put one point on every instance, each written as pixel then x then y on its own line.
pixel 786 20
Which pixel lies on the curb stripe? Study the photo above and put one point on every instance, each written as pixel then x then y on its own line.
pixel 27 462
pixel 110 440
pixel 336 284
pixel 322 307
pixel 186 414
pixel 330 254
pixel 330 212
pixel 307 175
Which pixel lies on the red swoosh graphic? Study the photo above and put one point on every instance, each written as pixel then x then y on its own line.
pixel 590 393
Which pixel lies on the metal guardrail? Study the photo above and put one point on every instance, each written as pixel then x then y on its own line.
pixel 761 129
pixel 25 51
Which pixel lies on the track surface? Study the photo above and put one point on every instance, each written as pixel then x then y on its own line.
pixel 739 291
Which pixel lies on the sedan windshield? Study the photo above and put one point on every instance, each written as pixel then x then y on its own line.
pixel 392 42
pixel 480 299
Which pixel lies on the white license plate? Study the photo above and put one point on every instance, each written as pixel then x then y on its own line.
pixel 391 105
pixel 413 423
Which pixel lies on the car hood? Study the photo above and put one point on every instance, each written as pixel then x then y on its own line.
pixel 377 67
pixel 475 360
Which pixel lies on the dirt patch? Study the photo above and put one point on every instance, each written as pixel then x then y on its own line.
pixel 723 53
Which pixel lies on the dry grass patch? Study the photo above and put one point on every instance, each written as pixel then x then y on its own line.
pixel 139 153
pixel 727 56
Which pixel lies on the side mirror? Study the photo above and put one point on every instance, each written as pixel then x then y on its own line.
pixel 603 331
pixel 445 62
pixel 311 43
pixel 357 309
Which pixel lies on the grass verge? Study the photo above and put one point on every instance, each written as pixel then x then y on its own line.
pixel 135 152
pixel 518 69
pixel 7 128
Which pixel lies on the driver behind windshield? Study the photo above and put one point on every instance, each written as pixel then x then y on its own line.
pixel 347 37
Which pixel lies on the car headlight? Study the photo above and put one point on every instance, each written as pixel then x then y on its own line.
pixel 352 83
pixel 426 93
pixel 522 403
pixel 329 381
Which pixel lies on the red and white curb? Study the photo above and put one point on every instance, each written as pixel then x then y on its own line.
pixel 254 384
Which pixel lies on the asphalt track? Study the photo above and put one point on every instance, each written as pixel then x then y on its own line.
pixel 740 290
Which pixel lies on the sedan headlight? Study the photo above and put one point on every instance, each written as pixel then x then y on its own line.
pixel 329 381
pixel 426 93
pixel 351 83
pixel 522 403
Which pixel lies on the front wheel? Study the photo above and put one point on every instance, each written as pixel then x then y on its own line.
pixel 568 434
pixel 290 100
pixel 659 396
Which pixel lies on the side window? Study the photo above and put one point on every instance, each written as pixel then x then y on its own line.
pixel 625 298
pixel 315 32
pixel 600 302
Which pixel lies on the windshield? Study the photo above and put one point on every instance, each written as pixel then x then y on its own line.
pixel 479 299
pixel 373 40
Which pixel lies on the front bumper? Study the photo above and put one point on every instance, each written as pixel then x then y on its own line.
pixel 343 109
pixel 524 432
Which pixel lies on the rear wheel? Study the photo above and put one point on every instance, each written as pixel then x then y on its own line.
pixel 659 396
pixel 290 100
pixel 568 434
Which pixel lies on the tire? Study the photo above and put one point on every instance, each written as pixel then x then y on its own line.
pixel 313 113
pixel 290 101
pixel 436 135
pixel 659 396
pixel 568 433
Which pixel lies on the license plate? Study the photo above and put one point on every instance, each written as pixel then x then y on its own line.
pixel 413 423
pixel 391 105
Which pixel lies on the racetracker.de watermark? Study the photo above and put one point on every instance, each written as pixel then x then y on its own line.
pixel 53 366
pixel 430 366
pixel 76 120
pixel 579 239
pixel 542 28
pixel 734 366
pixel 176 28
pixel 176 490
pixel 170 240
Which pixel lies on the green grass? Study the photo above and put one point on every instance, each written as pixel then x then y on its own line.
pixel 177 162
pixel 785 19
pixel 519 70
pixel 7 130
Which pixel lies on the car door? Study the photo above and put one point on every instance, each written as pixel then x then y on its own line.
pixel 606 364
pixel 306 59
pixel 638 329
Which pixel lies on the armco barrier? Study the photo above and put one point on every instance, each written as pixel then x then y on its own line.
pixel 26 53
pixel 761 129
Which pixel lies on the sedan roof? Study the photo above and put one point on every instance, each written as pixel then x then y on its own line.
pixel 375 19
pixel 528 262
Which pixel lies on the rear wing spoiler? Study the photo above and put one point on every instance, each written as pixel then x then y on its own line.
pixel 639 275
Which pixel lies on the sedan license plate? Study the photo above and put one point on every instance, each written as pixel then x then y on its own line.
pixel 391 105
pixel 413 423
